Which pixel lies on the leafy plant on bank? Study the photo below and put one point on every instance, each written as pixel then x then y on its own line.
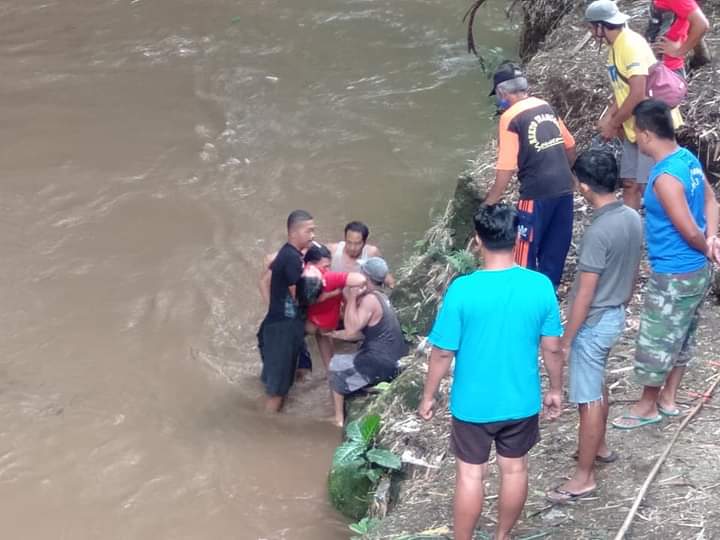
pixel 357 467
pixel 364 526
pixel 461 261
pixel 358 450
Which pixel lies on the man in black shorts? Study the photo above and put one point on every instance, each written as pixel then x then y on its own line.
pixel 283 330
pixel 493 321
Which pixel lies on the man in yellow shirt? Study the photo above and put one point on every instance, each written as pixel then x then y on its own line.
pixel 629 61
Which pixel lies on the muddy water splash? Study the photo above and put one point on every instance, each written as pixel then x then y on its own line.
pixel 150 152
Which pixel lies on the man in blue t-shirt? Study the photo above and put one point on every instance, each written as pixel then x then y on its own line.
pixel 681 224
pixel 493 322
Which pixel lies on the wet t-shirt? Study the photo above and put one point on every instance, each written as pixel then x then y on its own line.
pixel 533 140
pixel 326 314
pixel 286 271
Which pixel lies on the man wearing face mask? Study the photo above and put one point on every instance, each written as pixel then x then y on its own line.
pixel 534 143
pixel 629 61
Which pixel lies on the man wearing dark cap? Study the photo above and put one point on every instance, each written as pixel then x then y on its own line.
pixel 367 312
pixel 534 143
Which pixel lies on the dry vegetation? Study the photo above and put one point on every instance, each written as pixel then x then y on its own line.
pixel 684 500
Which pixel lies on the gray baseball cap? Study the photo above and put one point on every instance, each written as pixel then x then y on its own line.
pixel 375 268
pixel 605 11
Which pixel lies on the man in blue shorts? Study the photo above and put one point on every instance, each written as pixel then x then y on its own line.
pixel 493 322
pixel 608 263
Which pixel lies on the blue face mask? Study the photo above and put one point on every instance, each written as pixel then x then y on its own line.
pixel 502 104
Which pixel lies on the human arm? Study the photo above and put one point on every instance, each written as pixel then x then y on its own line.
pixel 507 162
pixel 439 365
pixel 711 219
pixel 699 25
pixel 552 353
pixel 334 282
pixel 571 154
pixel 606 116
pixel 358 311
pixel 569 142
pixel 638 93
pixel 671 194
pixel 580 307
pixel 634 285
pixel 502 179
pixel 553 359
pixel 327 295
pixel 266 277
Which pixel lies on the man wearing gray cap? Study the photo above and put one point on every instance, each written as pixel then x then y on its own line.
pixel 628 63
pixel 367 312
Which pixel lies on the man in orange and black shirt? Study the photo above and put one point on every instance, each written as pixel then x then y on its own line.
pixel 534 142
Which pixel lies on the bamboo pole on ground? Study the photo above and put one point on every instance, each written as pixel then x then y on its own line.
pixel 653 473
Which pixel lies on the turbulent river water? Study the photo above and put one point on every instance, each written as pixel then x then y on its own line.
pixel 151 150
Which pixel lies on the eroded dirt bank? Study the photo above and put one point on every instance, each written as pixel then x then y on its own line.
pixel 565 67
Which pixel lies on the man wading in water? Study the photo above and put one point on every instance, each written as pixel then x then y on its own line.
pixel 283 330
pixel 367 311
pixel 348 254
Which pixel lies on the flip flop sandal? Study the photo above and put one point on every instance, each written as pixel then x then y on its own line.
pixel 561 496
pixel 641 421
pixel 668 412
pixel 612 457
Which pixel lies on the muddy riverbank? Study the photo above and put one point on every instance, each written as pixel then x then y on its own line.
pixel 564 67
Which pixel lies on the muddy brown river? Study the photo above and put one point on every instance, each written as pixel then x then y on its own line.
pixel 150 151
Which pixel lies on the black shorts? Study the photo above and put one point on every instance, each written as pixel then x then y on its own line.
pixel 281 344
pixel 471 442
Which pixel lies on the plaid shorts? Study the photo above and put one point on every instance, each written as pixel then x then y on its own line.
pixel 668 323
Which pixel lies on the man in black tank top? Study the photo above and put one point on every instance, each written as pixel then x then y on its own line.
pixel 367 312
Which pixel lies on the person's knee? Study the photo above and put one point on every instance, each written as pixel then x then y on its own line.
pixel 512 465
pixel 470 472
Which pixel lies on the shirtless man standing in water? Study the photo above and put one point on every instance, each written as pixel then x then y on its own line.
pixel 348 254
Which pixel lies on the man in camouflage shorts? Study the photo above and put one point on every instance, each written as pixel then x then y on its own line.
pixel 681 221
pixel 669 324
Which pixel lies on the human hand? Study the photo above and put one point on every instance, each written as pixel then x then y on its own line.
pixel 552 405
pixel 607 128
pixel 426 408
pixel 667 46
pixel 713 249
pixel 351 293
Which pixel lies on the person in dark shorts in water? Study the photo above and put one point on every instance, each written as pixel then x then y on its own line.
pixel 367 312
pixel 283 329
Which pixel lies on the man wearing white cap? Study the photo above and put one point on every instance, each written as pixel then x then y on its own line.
pixel 628 63
pixel 367 312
